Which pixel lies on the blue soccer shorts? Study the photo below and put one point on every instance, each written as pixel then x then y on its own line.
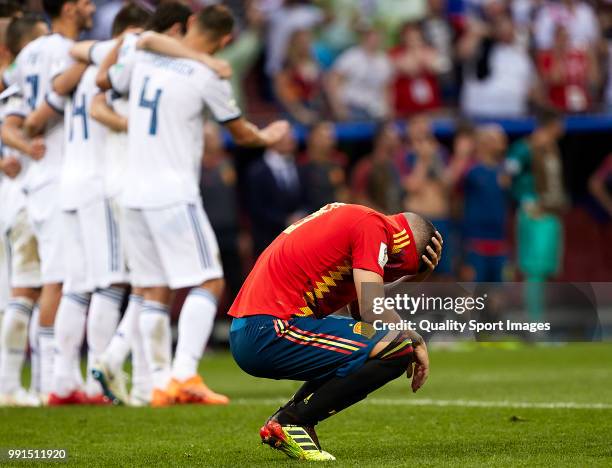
pixel 302 348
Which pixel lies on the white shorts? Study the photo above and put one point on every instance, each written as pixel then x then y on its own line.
pixel 94 253
pixel 22 252
pixel 46 218
pixel 173 246
pixel 5 292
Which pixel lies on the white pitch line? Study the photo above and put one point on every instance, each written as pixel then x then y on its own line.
pixel 455 403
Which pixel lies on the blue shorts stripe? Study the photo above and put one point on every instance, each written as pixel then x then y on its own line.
pixel 111 227
pixel 202 249
pixel 114 294
pixel 82 299
pixel 20 307
pixel 154 307
pixel 204 293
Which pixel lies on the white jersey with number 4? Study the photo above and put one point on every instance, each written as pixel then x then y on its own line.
pixel 168 98
pixel 82 180
pixel 33 69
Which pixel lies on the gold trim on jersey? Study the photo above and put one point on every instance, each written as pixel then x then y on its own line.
pixel 322 287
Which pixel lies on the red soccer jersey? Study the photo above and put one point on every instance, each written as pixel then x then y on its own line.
pixel 308 269
pixel 571 93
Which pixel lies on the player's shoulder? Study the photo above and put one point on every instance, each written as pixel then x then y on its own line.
pixel 358 216
pixel 54 42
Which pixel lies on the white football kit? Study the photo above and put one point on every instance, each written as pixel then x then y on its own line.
pixel 169 240
pixel 90 229
pixel 32 71
pixel 16 231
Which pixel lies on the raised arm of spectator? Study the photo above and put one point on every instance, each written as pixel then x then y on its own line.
pixel 291 103
pixel 597 185
pixel 470 41
pixel 333 85
pixel 102 112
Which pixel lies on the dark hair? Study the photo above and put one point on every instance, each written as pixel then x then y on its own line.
pixel 18 29
pixel 168 14
pixel 422 230
pixel 216 20
pixel 548 116
pixel 10 8
pixel 131 15
pixel 53 8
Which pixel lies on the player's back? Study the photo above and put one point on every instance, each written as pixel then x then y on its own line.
pixel 166 130
pixel 33 70
pixel 308 268
pixel 83 170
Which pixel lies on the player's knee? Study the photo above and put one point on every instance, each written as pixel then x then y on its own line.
pixel 398 351
pixel 214 286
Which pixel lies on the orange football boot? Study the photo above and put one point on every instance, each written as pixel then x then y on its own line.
pixel 161 399
pixel 194 390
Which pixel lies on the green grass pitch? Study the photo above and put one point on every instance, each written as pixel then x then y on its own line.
pixel 484 407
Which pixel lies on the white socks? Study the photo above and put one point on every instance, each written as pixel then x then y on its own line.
pixel 69 334
pixel 119 347
pixel 34 352
pixel 155 329
pixel 102 320
pixel 13 342
pixel 194 329
pixel 46 353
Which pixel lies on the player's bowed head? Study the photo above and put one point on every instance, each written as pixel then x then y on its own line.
pixel 417 261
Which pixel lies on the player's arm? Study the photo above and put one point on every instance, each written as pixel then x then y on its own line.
pixel 64 83
pixel 103 78
pixel 166 45
pixel 13 135
pixel 101 111
pixel 49 110
pixel 81 51
pixel 370 285
pixel 10 166
pixel 246 133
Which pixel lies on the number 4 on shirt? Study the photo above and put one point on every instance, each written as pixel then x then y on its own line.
pixel 150 104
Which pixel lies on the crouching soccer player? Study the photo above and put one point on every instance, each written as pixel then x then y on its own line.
pixel 282 328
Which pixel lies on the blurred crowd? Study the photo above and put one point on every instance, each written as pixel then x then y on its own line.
pixel 379 59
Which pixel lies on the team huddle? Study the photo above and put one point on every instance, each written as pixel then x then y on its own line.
pixel 91 204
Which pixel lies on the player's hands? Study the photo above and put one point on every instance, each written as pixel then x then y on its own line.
pixel 274 132
pixel 434 256
pixel 420 372
pixel 37 148
pixel 11 166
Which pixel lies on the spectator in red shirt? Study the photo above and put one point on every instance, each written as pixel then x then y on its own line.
pixel 569 74
pixel 298 84
pixel 417 65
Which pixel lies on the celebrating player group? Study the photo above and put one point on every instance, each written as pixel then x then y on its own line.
pixel 102 143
